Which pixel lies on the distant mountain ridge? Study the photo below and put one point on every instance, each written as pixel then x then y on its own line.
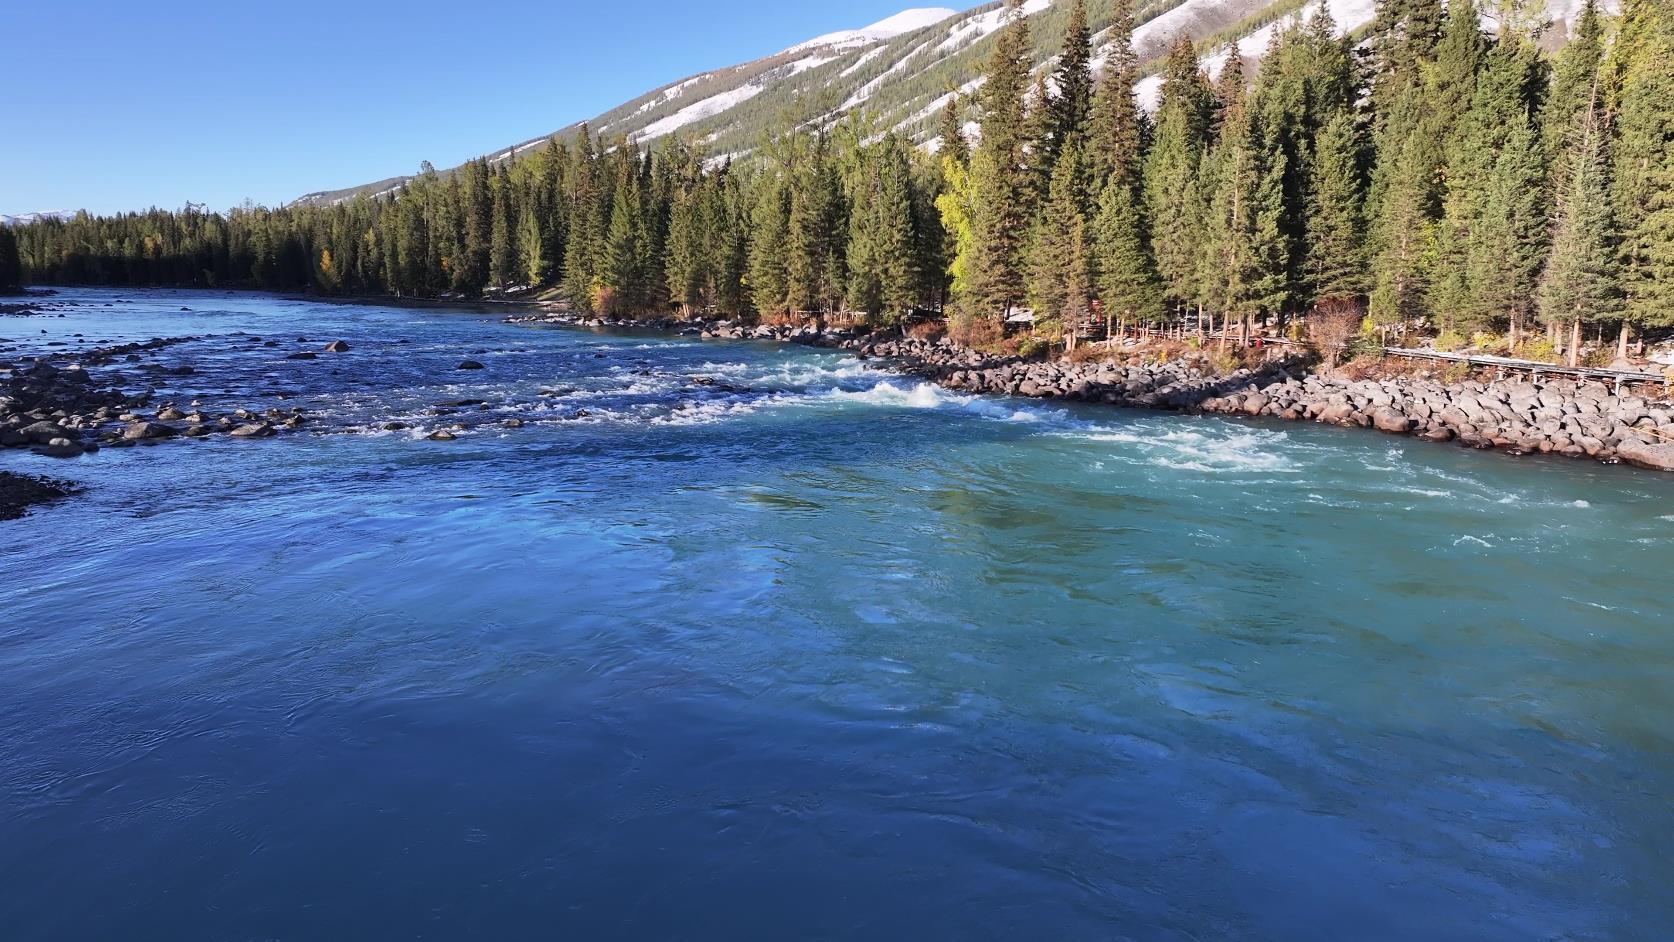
pixel 901 71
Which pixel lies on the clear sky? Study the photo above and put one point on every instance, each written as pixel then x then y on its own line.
pixel 120 105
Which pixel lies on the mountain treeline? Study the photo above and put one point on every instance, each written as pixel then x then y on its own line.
pixel 1445 173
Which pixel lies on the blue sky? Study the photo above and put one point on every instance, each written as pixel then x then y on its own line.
pixel 119 105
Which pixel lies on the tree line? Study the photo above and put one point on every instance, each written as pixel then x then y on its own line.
pixel 1444 171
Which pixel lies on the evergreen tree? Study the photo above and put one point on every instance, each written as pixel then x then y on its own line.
pixel 1072 109
pixel 1127 279
pixel 1245 261
pixel 1002 211
pixel 531 245
pixel 471 272
pixel 11 265
pixel 950 135
pixel 882 263
pixel 1503 104
pixel 1573 77
pixel 1336 250
pixel 622 272
pixel 1172 195
pixel 588 213
pixel 1581 280
pixel 1118 128
pixel 1641 72
pixel 1509 239
pixel 503 255
pixel 770 218
pixel 1057 264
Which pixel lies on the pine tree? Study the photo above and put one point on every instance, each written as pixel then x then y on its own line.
pixel 1039 148
pixel 1172 195
pixel 1336 250
pixel 1573 76
pixel 622 272
pixel 1503 103
pixel 770 218
pixel 814 244
pixel 1127 280
pixel 531 245
pixel 1581 280
pixel 1053 263
pixel 503 255
pixel 1073 106
pixel 689 252
pixel 589 208
pixel 950 135
pixel 1118 128
pixel 882 262
pixel 1641 72
pixel 1509 240
pixel 1404 38
pixel 11 265
pixel 1002 211
pixel 477 209
pixel 1245 261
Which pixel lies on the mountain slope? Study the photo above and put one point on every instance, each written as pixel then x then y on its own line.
pixel 900 72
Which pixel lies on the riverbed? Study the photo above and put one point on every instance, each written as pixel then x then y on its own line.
pixel 716 639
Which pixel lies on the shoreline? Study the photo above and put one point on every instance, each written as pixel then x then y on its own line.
pixel 65 411
pixel 1559 417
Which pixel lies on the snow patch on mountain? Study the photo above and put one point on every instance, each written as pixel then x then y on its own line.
pixel 976 27
pixel 900 24
pixel 707 108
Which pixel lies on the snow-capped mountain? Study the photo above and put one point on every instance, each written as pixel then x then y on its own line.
pixel 900 72
pixel 27 218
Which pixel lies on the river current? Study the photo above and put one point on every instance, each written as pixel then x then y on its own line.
pixel 735 640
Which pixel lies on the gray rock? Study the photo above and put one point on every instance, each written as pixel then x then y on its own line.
pixel 147 431
pixel 1658 457
pixel 469 365
pixel 337 346
pixel 253 430
pixel 1391 420
pixel 42 433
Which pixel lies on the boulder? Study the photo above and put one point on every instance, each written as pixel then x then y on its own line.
pixel 147 431
pixel 1657 457
pixel 1337 413
pixel 1391 420
pixel 304 355
pixel 442 436
pixel 253 430
pixel 337 346
pixel 469 365
pixel 42 433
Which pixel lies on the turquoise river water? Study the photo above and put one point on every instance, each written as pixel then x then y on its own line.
pixel 746 641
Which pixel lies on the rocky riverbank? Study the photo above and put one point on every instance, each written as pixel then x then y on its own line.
pixel 1581 420
pixel 1561 417
pixel 19 492
pixel 59 407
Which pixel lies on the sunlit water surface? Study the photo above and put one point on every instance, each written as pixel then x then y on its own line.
pixel 772 644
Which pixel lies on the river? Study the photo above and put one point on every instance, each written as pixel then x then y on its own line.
pixel 740 640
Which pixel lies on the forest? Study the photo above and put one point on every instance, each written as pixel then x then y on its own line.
pixel 1442 174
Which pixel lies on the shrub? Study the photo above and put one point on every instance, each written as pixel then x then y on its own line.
pixel 1332 328
pixel 1449 342
pixel 1031 347
pixel 1539 349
